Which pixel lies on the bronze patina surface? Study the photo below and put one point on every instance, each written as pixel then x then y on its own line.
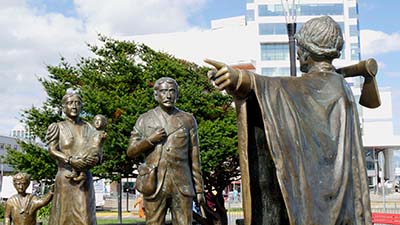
pixel 300 146
pixel 76 145
pixel 21 209
pixel 170 177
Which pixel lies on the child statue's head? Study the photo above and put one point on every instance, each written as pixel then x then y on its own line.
pixel 21 182
pixel 100 122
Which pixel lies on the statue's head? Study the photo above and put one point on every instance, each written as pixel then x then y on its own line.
pixel 166 92
pixel 21 182
pixel 319 38
pixel 100 122
pixel 72 105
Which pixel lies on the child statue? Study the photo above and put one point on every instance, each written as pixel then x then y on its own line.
pixel 21 208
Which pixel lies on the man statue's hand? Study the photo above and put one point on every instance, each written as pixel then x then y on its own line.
pixel 225 77
pixel 157 136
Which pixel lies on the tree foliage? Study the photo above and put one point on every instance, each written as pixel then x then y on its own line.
pixel 117 82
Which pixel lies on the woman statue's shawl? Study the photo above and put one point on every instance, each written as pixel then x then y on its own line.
pixel 301 155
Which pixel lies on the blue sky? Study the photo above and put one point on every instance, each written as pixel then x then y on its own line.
pixel 37 32
pixel 384 16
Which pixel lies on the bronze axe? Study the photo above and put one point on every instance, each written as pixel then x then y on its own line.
pixel 369 93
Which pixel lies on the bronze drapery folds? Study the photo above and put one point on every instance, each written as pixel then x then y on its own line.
pixel 300 146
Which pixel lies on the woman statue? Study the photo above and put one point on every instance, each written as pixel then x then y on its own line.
pixel 71 143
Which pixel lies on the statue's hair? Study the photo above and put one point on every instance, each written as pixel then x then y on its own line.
pixel 68 95
pixel 322 37
pixel 22 176
pixel 165 80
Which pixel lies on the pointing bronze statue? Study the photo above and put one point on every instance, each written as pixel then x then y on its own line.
pixel 300 147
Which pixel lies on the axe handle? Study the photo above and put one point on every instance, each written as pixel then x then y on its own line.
pixel 366 68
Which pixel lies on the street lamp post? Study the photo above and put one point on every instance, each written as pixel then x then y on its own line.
pixel 290 10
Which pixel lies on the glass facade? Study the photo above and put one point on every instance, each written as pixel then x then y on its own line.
pixel 355 51
pixel 275 71
pixel 302 10
pixel 280 28
pixel 270 10
pixel 353 30
pixel 250 15
pixel 353 12
pixel 272 29
pixel 274 51
pixel 320 9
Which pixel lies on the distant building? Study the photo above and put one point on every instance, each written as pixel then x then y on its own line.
pixel 379 138
pixel 22 132
pixel 5 143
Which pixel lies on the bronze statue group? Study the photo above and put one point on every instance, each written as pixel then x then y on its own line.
pixel 300 148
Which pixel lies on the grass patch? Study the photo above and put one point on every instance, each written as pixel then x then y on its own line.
pixel 235 210
pixel 115 221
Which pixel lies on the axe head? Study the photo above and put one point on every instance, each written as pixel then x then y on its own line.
pixel 369 93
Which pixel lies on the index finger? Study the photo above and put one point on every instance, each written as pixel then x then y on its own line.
pixel 218 65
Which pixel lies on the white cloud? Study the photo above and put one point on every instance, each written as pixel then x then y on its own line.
pixel 28 42
pixel 133 17
pixel 377 42
pixel 32 38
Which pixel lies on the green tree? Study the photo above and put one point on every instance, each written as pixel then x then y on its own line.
pixel 117 82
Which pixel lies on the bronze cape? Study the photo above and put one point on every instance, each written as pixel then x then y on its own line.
pixel 301 154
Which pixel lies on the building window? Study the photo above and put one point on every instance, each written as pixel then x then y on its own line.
pixel 275 71
pixel 272 29
pixel 353 12
pixel 1 145
pixel 250 15
pixel 274 51
pixel 355 51
pixel 16 147
pixel 270 10
pixel 320 9
pixel 302 10
pixel 249 1
pixel 353 30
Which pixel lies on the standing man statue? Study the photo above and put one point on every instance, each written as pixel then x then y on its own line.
pixel 21 208
pixel 76 145
pixel 171 175
pixel 301 155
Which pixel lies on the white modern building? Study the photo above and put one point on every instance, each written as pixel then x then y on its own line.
pixel 272 56
pixel 258 41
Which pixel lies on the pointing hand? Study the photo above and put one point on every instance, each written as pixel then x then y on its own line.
pixel 224 76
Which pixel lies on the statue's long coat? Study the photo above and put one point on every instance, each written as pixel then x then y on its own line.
pixel 301 154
